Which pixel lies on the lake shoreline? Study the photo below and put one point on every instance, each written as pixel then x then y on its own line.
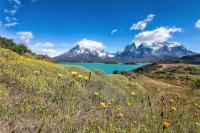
pixel 107 68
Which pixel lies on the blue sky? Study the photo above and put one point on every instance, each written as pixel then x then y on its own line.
pixel 54 26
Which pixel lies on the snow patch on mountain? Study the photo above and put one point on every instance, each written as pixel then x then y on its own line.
pixel 154 50
pixel 157 45
pixel 86 49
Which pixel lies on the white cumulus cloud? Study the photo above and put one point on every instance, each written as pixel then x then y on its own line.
pixel 113 31
pixel 10 24
pixel 141 25
pixel 90 44
pixel 47 45
pixel 197 25
pixel 25 36
pixel 51 52
pixel 157 35
pixel 46 49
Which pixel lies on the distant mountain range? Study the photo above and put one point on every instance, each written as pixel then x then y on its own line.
pixel 154 51
pixel 144 52
pixel 80 53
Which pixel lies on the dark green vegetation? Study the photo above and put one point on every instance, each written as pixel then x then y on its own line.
pixel 39 96
pixel 193 59
pixel 188 75
pixel 147 68
pixel 21 49
pixel 129 63
pixel 110 62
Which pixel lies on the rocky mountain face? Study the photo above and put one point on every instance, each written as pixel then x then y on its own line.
pixel 154 51
pixel 84 54
pixel 143 52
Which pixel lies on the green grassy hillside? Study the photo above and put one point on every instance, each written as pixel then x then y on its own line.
pixel 41 89
pixel 188 75
pixel 21 49
pixel 39 96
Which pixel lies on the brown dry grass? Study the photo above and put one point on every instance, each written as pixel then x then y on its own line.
pixel 160 88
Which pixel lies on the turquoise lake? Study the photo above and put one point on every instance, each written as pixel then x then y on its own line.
pixel 107 68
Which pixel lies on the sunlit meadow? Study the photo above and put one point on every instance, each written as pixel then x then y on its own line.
pixel 38 96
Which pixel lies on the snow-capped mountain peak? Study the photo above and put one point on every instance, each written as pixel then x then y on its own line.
pixel 153 50
pixel 85 52
pixel 157 45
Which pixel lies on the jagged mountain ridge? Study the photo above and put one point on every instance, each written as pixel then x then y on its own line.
pixel 157 50
pixel 143 52
pixel 82 53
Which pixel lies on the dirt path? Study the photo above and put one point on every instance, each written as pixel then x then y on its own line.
pixel 161 88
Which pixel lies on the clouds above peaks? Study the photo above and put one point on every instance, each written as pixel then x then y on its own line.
pixel 90 44
pixel 25 36
pixel 197 25
pixel 113 31
pixel 46 48
pixel 157 35
pixel 141 25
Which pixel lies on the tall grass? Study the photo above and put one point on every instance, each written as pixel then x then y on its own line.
pixel 38 96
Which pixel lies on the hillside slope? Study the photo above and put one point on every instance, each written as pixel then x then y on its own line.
pixel 21 49
pixel 179 74
pixel 37 89
pixel 39 96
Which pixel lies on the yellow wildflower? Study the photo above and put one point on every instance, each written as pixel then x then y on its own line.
pixel 74 73
pixel 60 75
pixel 133 93
pixel 109 103
pixel 96 93
pixel 119 108
pixel 121 115
pixel 166 124
pixel 103 104
pixel 86 78
pixel 171 101
pixel 112 100
pixel 173 109
pixel 80 76
pixel 128 103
